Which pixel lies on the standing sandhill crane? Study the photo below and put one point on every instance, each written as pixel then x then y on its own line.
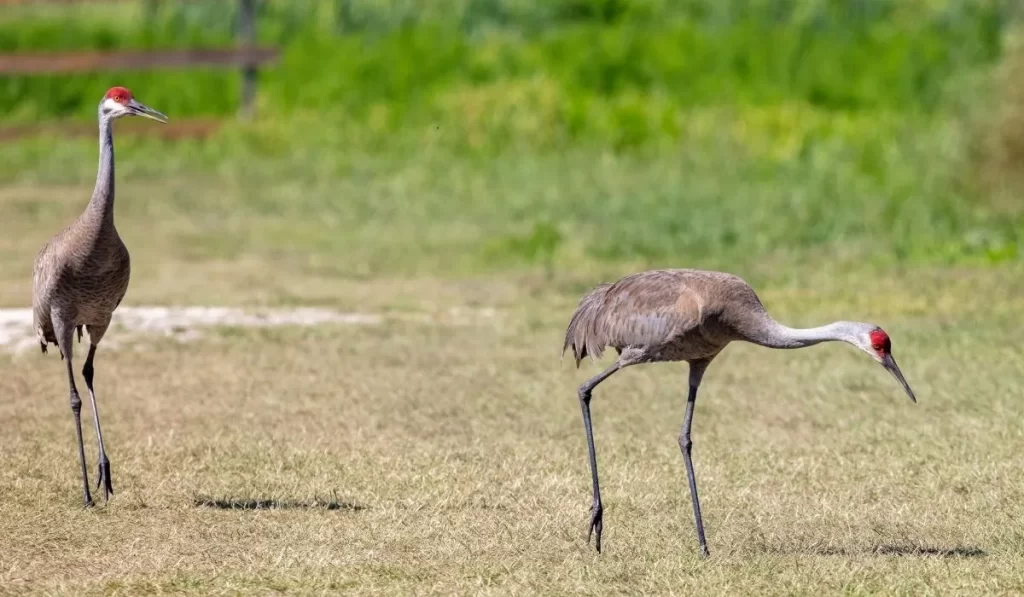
pixel 81 275
pixel 689 315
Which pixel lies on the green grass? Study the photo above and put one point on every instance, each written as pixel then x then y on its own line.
pixel 733 194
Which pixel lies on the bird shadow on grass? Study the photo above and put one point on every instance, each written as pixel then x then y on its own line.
pixel 884 549
pixel 275 504
pixel 898 549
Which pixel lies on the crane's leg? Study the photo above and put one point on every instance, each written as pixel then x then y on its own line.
pixel 685 445
pixel 104 462
pixel 65 334
pixel 96 332
pixel 597 510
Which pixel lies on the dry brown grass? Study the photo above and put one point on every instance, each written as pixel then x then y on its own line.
pixel 445 454
pixel 438 458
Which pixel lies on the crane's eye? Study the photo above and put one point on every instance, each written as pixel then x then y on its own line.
pixel 880 341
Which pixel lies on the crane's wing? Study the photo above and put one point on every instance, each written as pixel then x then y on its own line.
pixel 43 280
pixel 643 310
pixel 42 273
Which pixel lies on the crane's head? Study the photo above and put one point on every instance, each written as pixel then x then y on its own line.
pixel 874 341
pixel 119 102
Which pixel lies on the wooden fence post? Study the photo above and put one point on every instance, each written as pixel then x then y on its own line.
pixel 247 33
pixel 150 10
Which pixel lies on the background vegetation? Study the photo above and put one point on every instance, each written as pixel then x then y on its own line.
pixel 573 132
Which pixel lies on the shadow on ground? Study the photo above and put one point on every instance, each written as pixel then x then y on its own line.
pixel 890 549
pixel 275 504
pixel 881 549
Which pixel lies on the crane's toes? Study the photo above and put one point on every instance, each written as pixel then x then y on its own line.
pixel 104 480
pixel 596 525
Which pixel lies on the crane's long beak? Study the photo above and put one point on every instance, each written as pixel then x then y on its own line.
pixel 890 365
pixel 141 110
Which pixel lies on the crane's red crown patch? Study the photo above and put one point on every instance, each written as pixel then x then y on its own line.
pixel 119 95
pixel 880 341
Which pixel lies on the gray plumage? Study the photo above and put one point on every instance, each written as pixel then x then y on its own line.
pixel 82 273
pixel 689 315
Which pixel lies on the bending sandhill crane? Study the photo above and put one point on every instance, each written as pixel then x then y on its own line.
pixel 689 315
pixel 81 275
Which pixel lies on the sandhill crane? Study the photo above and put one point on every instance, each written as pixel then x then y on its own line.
pixel 81 275
pixel 689 315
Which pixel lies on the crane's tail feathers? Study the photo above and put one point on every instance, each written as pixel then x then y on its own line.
pixel 584 333
pixel 79 329
pixel 45 337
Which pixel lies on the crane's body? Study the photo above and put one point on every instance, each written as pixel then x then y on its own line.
pixel 664 315
pixel 689 315
pixel 82 273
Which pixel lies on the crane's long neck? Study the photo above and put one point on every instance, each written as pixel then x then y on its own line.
pixel 775 335
pixel 101 206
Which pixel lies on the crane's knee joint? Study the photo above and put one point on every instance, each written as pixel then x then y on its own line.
pixel 584 394
pixel 76 402
pixel 685 444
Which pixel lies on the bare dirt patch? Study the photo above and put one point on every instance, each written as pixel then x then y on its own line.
pixel 187 323
pixel 184 323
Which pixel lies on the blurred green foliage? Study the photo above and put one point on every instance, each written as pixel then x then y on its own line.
pixel 596 55
pixel 483 133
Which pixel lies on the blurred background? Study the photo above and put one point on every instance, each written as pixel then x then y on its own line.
pixel 400 137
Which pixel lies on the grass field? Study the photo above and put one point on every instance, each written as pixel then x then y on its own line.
pixel 441 451
pixel 465 178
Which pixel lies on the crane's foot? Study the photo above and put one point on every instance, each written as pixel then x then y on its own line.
pixel 596 524
pixel 104 480
pixel 704 553
pixel 87 502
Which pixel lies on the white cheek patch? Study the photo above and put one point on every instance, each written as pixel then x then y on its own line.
pixel 110 105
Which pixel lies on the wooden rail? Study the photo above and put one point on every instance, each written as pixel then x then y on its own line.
pixel 71 62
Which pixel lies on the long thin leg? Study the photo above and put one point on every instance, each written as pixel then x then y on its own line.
pixel 104 462
pixel 64 337
pixel 597 510
pixel 685 445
